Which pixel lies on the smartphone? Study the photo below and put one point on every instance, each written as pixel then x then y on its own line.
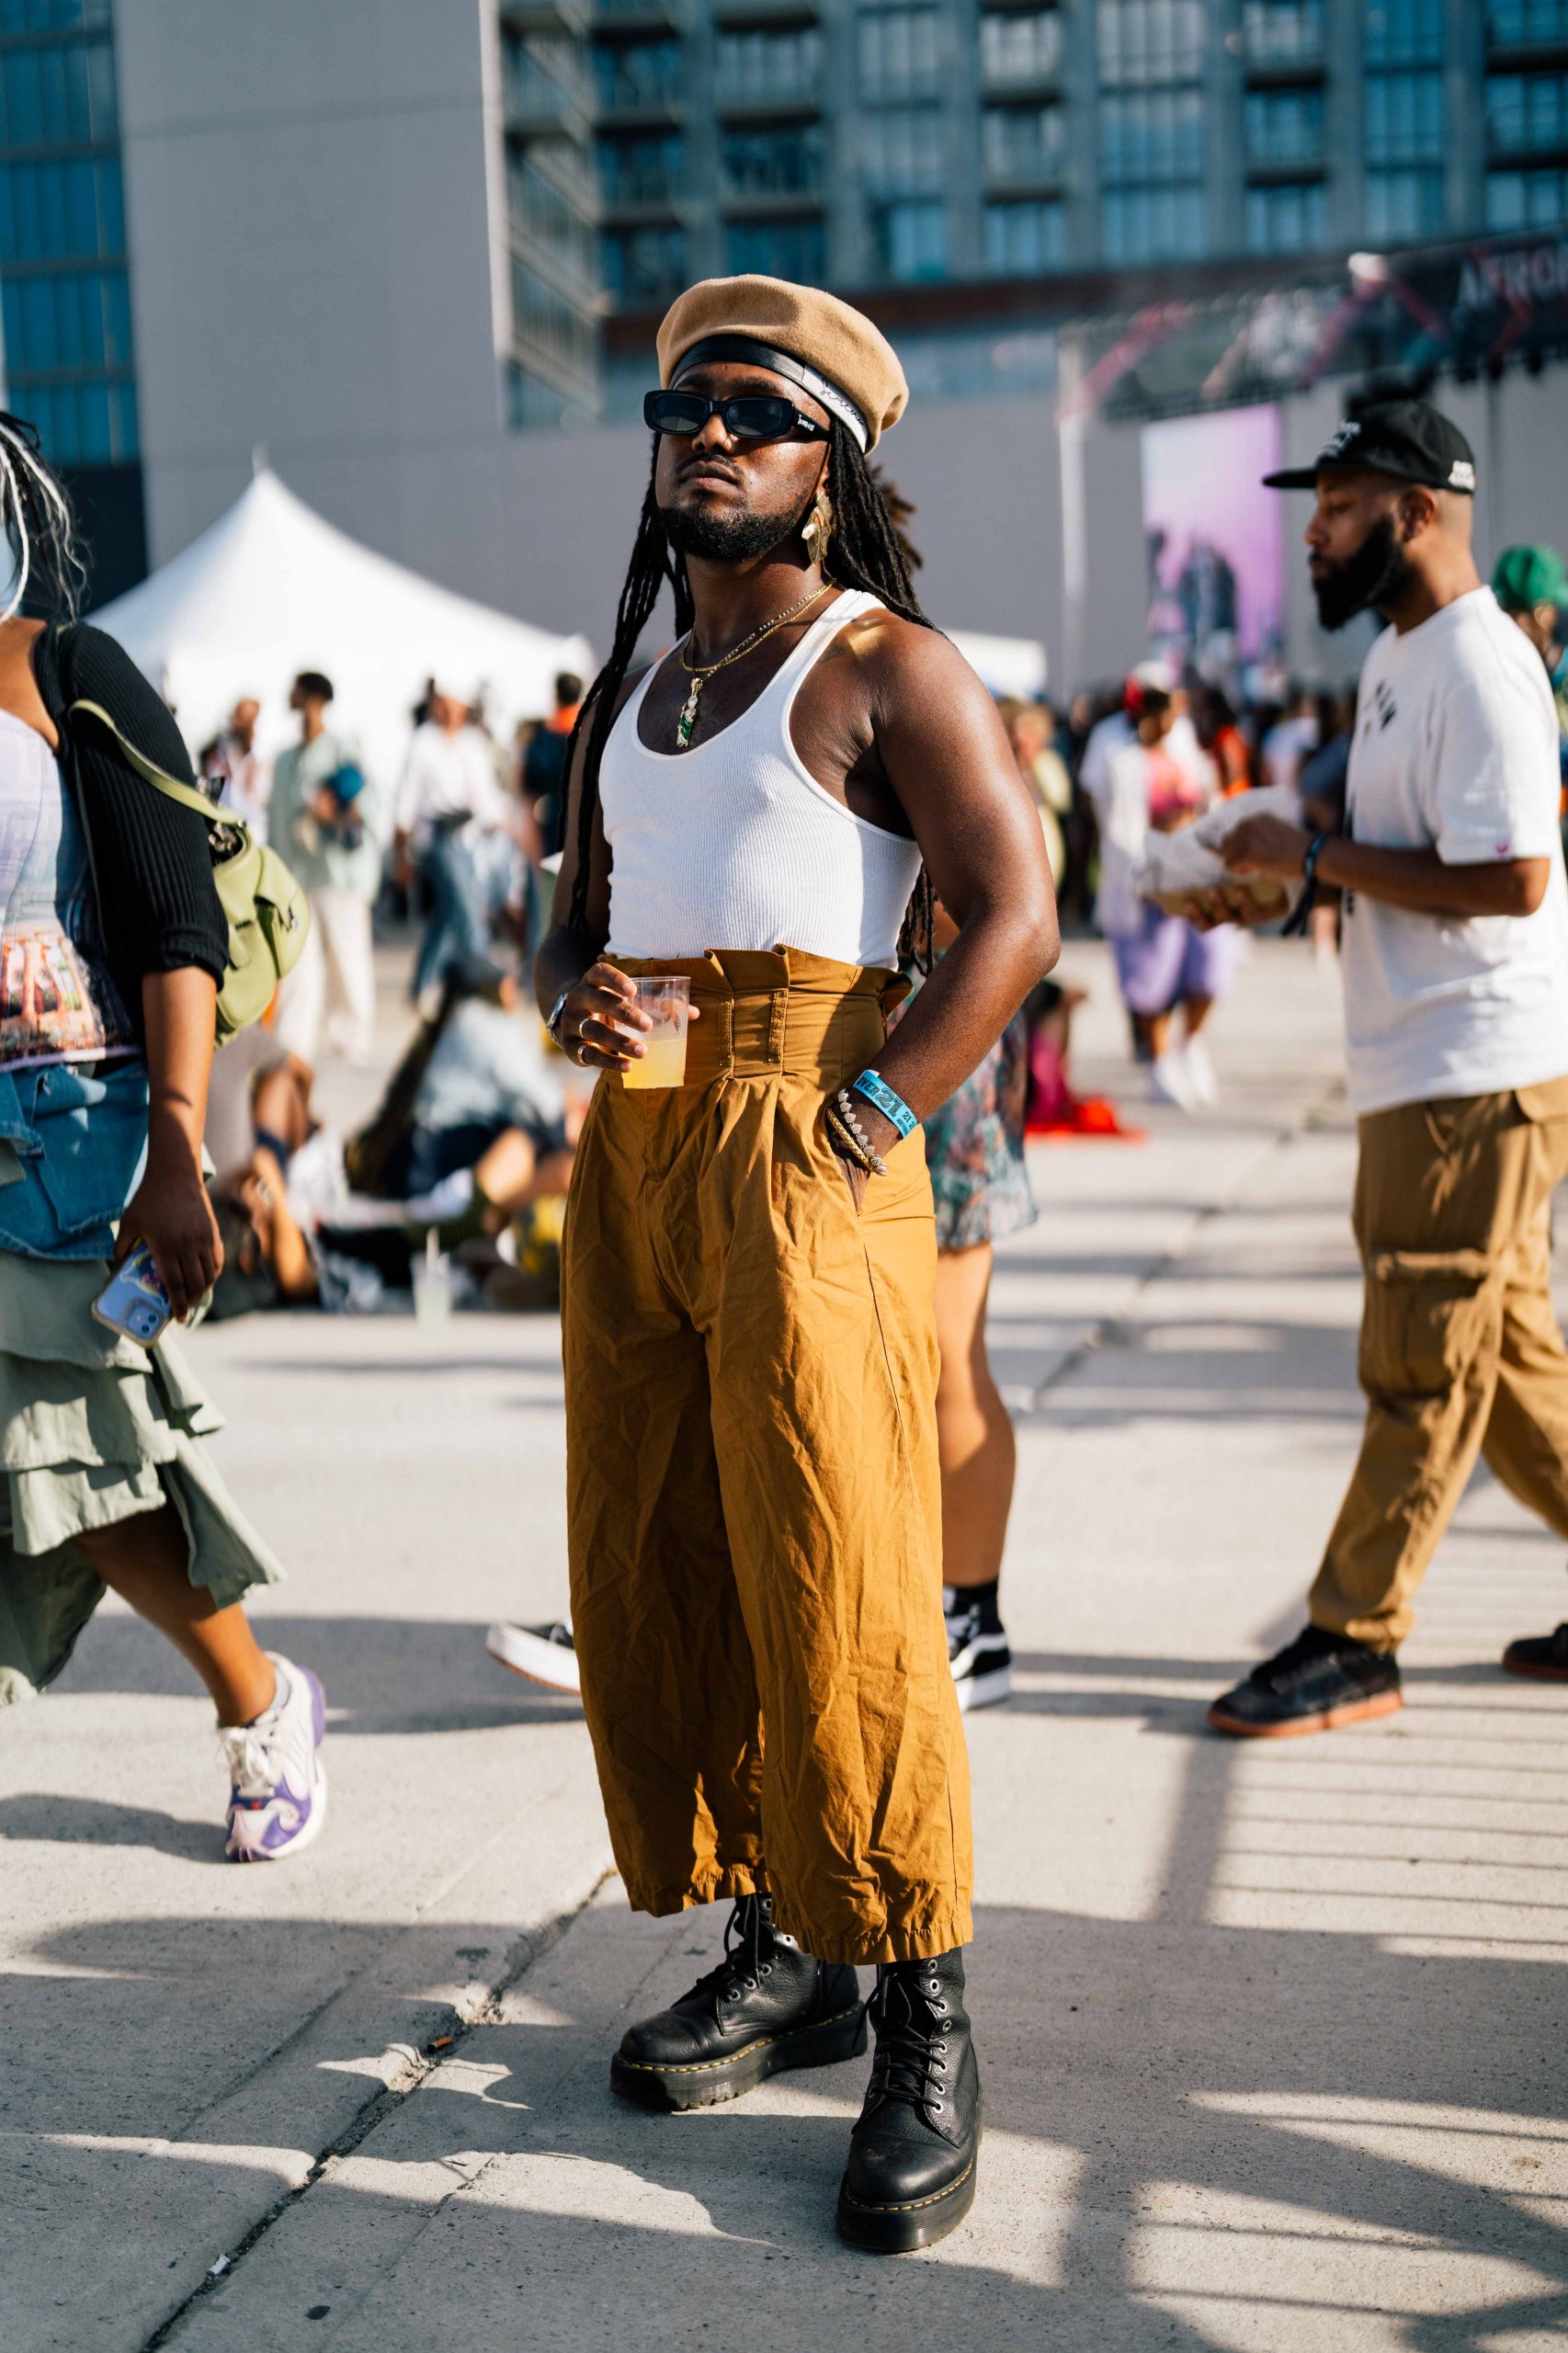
pixel 133 1302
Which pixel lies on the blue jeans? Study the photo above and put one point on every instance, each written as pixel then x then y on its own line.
pixel 459 924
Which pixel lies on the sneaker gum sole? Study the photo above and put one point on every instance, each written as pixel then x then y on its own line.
pixel 530 1675
pixel 706 2081
pixel 1355 1711
pixel 900 2230
pixel 1544 1674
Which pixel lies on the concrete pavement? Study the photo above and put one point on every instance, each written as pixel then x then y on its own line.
pixel 1273 2050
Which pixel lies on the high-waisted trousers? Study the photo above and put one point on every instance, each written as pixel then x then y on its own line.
pixel 754 1511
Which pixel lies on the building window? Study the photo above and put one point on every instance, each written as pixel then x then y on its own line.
pixel 1403 205
pixel 1405 119
pixel 900 151
pixel 1405 32
pixel 900 53
pixel 1025 238
pixel 1526 113
pixel 1286 219
pixel 909 239
pixel 54 15
pixel 1284 127
pixel 537 210
pixel 796 249
pixel 1021 143
pixel 632 74
pixel 63 285
pixel 645 168
pixel 1527 200
pixel 1153 224
pixel 1145 42
pixel 770 64
pixel 1282 32
pixel 532 400
pixel 643 266
pixel 1526 24
pixel 784 159
pixel 1023 48
pixel 544 318
pixel 1158 136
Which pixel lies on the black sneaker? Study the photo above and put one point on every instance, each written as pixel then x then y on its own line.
pixel 913 2153
pixel 977 1646
pixel 544 1654
pixel 766 2006
pixel 1545 1657
pixel 1314 1684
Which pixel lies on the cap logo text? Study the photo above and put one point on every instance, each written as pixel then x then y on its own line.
pixel 1461 474
pixel 1340 439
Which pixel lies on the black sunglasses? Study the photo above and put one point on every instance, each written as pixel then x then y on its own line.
pixel 749 416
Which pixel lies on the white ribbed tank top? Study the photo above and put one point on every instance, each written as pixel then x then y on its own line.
pixel 734 844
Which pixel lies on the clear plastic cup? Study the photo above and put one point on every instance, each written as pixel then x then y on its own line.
pixel 432 1277
pixel 666 998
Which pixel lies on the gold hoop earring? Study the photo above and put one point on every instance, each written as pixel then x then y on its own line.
pixel 817 528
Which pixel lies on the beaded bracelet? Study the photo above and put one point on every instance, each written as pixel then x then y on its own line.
pixel 878 1093
pixel 846 1111
pixel 862 1155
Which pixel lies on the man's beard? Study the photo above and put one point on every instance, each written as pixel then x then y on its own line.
pixel 722 538
pixel 1370 580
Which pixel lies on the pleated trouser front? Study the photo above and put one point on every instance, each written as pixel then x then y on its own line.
pixel 754 1511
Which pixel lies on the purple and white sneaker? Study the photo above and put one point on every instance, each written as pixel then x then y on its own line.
pixel 278 1785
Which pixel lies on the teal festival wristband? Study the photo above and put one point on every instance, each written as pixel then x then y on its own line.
pixel 876 1090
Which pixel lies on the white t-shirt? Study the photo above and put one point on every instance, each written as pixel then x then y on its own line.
pixel 1286 747
pixel 1454 749
pixel 445 775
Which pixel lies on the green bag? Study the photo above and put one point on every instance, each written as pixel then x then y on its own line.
pixel 268 913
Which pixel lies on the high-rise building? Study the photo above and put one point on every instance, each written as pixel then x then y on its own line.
pixel 415 250
pixel 64 279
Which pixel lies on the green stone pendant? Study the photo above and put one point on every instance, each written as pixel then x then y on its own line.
pixel 688 720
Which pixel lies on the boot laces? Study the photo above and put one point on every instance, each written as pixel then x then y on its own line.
pixel 911 2059
pixel 743 1965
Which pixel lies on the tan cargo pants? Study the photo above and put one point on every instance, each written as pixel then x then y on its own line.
pixel 754 1505
pixel 1460 1351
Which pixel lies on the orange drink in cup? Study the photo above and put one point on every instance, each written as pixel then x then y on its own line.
pixel 666 998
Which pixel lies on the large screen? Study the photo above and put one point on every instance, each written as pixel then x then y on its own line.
pixel 1214 539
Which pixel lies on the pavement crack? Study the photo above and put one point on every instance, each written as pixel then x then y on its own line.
pixel 464 2021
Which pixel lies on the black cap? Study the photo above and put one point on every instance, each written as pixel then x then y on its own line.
pixel 1407 439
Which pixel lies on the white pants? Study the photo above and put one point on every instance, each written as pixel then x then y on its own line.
pixel 333 984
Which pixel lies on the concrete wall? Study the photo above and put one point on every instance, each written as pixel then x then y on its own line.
pixel 308 216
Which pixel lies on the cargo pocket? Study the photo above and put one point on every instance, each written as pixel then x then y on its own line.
pixel 1426 1319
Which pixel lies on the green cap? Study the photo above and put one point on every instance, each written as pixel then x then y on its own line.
pixel 1525 577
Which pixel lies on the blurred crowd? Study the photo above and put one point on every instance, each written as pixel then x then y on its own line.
pixel 454 1186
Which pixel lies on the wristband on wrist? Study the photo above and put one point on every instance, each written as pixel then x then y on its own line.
pixel 880 1096
pixel 1314 851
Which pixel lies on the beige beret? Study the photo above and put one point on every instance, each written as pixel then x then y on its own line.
pixel 839 357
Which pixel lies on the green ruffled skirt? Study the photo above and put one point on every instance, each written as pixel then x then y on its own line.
pixel 94 1430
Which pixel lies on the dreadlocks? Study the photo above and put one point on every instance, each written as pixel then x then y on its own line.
pixel 867 550
pixel 47 569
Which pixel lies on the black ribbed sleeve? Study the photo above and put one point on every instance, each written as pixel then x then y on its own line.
pixel 161 908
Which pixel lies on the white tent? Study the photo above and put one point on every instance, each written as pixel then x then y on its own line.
pixel 271 590
pixel 1008 665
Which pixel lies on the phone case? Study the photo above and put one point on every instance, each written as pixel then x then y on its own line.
pixel 133 1302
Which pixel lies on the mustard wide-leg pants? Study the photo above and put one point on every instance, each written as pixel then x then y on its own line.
pixel 753 1505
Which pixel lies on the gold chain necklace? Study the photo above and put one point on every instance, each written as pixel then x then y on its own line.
pixel 699 676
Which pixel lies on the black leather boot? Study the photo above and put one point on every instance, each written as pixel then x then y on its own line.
pixel 910 2174
pixel 766 2006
